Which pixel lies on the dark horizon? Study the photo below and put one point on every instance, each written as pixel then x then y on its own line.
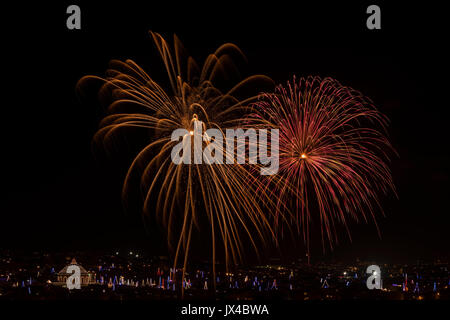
pixel 60 197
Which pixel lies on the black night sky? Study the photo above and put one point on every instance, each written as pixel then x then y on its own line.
pixel 57 196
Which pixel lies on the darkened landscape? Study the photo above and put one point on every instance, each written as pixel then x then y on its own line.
pixel 131 275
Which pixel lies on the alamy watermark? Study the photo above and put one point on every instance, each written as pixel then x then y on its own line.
pixel 211 146
pixel 374 280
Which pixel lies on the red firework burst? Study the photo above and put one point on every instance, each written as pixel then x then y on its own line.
pixel 333 152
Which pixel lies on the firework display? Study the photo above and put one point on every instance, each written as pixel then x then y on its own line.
pixel 224 192
pixel 210 161
pixel 333 151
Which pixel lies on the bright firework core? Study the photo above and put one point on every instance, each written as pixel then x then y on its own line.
pixel 193 122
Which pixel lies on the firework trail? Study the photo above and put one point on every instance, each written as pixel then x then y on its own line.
pixel 333 151
pixel 231 203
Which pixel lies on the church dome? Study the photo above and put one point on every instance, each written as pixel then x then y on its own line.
pixel 73 262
